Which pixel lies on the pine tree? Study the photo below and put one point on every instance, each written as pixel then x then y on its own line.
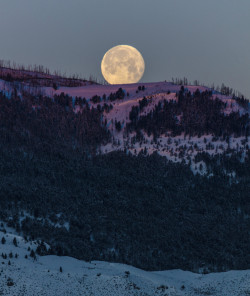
pixel 32 254
pixel 15 242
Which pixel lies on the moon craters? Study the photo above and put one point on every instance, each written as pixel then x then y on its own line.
pixel 122 64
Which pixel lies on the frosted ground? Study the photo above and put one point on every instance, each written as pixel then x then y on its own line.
pixel 28 277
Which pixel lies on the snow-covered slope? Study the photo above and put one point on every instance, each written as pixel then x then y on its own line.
pixel 150 88
pixel 176 149
pixel 42 276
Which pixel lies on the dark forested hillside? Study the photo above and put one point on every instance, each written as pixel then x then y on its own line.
pixel 40 124
pixel 142 210
pixel 139 210
pixel 193 114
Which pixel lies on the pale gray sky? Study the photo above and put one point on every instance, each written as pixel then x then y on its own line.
pixel 205 40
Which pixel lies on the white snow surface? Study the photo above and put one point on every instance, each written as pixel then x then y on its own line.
pixel 89 91
pixel 43 277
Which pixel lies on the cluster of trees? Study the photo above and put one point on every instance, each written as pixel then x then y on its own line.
pixel 223 89
pixel 135 111
pixel 242 101
pixel 118 95
pixel 140 88
pixel 50 125
pixel 39 80
pixel 39 75
pixel 193 114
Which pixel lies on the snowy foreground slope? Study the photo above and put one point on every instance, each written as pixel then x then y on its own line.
pixel 42 276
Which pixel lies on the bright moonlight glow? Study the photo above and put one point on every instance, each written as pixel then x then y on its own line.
pixel 122 64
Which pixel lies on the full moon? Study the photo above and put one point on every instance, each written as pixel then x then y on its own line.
pixel 122 64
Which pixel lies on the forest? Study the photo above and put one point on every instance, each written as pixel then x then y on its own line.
pixel 199 114
pixel 141 210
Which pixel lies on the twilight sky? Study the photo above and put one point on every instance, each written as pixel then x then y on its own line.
pixel 204 40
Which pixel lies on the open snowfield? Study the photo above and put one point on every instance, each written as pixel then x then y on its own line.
pixel 150 88
pixel 27 277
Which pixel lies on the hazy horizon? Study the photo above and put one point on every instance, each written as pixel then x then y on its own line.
pixel 201 40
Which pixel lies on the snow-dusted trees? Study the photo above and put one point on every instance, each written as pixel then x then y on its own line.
pixel 193 114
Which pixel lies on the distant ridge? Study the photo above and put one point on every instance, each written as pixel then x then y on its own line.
pixel 33 74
